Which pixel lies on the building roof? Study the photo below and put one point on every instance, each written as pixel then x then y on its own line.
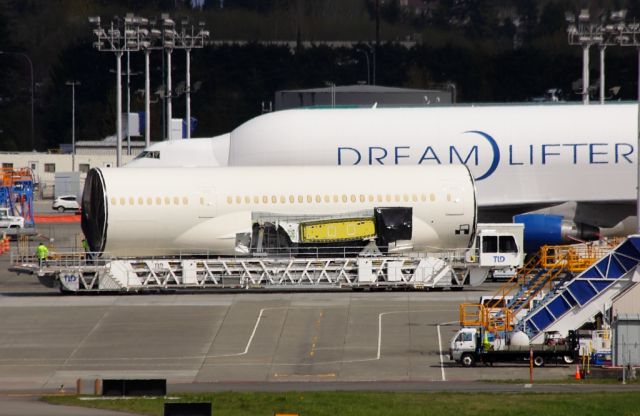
pixel 359 89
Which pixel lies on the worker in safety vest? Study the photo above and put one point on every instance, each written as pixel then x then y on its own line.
pixel 42 252
pixel 486 345
pixel 87 250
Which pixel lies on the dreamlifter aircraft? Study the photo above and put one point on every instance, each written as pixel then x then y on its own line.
pixel 575 165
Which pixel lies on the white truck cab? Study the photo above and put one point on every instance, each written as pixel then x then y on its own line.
pixel 10 221
pixel 465 345
pixel 497 249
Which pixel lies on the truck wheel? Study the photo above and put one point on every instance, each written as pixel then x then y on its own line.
pixel 538 361
pixel 567 359
pixel 468 360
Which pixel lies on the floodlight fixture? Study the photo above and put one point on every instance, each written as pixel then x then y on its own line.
pixel 584 16
pixel 618 15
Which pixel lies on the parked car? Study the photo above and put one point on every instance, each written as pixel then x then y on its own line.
pixel 66 202
pixel 10 221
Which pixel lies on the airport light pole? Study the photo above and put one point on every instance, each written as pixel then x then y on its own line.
pixel 188 38
pixel 133 34
pixel 73 122
pixel 609 32
pixel 168 43
pixel 122 35
pixel 150 38
pixel 585 34
pixel 31 89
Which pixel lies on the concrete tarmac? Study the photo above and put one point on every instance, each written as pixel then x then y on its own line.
pixel 48 340
pixel 234 341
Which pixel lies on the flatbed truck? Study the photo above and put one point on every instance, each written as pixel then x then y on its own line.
pixel 471 345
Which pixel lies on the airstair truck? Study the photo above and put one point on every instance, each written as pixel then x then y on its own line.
pixel 474 344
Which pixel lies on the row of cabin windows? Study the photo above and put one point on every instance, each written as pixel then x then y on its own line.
pixel 176 200
pixel 273 199
pixel 51 167
pixel 318 199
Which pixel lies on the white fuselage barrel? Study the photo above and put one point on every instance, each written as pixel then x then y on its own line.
pixel 144 212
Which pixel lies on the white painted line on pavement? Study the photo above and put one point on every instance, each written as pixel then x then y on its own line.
pixel 444 377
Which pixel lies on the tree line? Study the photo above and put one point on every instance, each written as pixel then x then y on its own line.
pixel 493 51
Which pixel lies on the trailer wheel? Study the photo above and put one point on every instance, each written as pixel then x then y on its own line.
pixel 468 360
pixel 538 361
pixel 568 359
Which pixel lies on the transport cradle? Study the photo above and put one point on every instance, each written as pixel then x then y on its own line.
pixel 72 272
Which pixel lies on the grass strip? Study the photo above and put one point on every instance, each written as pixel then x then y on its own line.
pixel 383 404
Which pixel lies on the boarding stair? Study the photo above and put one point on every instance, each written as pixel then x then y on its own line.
pixel 543 274
pixel 577 300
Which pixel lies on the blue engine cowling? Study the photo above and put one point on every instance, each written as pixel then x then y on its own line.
pixel 541 229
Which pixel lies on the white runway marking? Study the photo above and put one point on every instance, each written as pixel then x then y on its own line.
pixel 253 333
pixel 378 356
pixel 444 377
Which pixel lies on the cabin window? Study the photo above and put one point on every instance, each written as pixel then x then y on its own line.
pixel 274 199
pixel 432 197
pixel 140 201
pixel 149 201
pixel 158 200
pixel 256 199
pixel 167 200
pixel 229 200
pixel 345 198
pixel 122 201
pixel 353 198
pixel 292 199
pixel 335 198
pixel 397 197
pixel 113 201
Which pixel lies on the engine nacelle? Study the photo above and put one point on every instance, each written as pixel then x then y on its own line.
pixel 541 229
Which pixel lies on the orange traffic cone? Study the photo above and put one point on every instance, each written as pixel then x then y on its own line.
pixel 578 372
